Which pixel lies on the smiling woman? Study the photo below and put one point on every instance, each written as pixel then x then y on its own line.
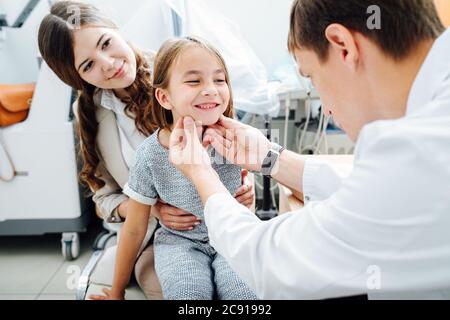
pixel 108 62
pixel 87 57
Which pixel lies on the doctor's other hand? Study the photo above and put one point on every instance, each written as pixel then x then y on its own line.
pixel 108 295
pixel 239 143
pixel 174 218
pixel 186 151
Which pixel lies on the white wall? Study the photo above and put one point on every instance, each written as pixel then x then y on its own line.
pixel 264 24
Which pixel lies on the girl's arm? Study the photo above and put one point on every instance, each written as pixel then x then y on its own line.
pixel 131 237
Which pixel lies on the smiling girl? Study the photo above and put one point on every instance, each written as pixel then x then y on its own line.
pixel 190 79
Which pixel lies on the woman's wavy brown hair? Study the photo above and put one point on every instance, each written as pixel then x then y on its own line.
pixel 169 52
pixel 56 46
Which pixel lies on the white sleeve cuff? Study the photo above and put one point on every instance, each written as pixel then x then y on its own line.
pixel 320 181
pixel 138 197
pixel 309 173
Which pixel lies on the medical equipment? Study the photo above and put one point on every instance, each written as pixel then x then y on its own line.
pixel 42 194
pixel 300 127
pixel 268 210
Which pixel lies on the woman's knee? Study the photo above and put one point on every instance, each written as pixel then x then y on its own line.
pixel 145 274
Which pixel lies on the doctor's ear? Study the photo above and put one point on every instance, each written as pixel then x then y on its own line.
pixel 343 41
pixel 163 98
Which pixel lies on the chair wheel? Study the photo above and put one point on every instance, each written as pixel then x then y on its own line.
pixel 70 245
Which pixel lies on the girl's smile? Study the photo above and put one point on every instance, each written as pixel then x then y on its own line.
pixel 207 106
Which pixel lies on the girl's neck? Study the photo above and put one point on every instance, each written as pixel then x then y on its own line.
pixel 164 136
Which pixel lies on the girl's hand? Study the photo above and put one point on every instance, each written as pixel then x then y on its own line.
pixel 174 218
pixel 109 295
pixel 245 194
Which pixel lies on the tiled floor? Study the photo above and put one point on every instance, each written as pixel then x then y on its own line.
pixel 33 268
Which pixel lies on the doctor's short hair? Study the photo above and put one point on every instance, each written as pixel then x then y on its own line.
pixel 404 23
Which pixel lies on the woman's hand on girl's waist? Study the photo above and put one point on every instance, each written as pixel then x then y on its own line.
pixel 174 218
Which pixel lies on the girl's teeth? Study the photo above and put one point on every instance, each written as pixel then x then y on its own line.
pixel 206 106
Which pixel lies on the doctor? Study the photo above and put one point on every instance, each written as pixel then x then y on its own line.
pixel 384 230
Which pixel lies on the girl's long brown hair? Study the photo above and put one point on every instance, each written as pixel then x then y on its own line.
pixel 56 46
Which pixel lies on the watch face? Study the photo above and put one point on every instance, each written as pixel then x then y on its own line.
pixel 270 159
pixel 267 160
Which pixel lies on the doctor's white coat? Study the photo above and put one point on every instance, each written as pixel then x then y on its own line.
pixel 384 230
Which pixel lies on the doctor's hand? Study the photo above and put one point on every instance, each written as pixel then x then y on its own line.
pixel 186 151
pixel 239 143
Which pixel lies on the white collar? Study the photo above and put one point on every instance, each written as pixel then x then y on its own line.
pixel 433 72
pixel 108 99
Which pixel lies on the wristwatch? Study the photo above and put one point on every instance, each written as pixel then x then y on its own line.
pixel 271 158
